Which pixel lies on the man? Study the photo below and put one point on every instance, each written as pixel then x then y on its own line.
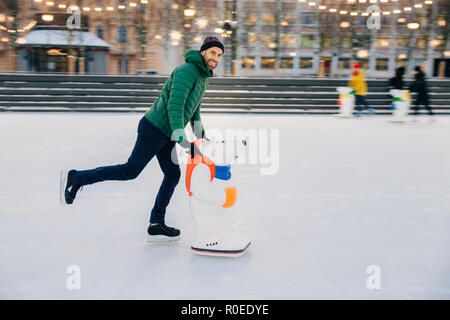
pixel 397 81
pixel 161 127
pixel 419 85
pixel 358 83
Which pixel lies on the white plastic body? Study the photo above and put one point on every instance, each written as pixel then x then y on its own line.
pixel 347 103
pixel 213 236
pixel 400 114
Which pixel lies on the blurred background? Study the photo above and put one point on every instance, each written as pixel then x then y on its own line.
pixel 268 38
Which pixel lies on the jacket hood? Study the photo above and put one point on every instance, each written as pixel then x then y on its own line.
pixel 400 72
pixel 194 56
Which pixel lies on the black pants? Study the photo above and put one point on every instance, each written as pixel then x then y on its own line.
pixel 359 102
pixel 425 102
pixel 150 142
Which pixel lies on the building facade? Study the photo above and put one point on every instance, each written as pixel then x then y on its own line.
pixel 286 38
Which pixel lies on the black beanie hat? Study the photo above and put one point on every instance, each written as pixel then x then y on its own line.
pixel 210 42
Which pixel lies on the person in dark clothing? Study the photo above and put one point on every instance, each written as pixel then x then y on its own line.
pixel 397 81
pixel 419 86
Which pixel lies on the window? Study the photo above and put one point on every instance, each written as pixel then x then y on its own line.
pixel 382 64
pixel 288 39
pixel 344 63
pixel 122 34
pixel 421 42
pixel 307 18
pixel 287 63
pixel 248 62
pixel 100 32
pixel 364 63
pixel 383 41
pixel 307 40
pixel 268 63
pixel 306 63
pixel 346 42
pixel 326 41
pixel 402 42
pixel 290 17
pixel 268 18
pixel 267 38
pixel 248 39
pixel 251 17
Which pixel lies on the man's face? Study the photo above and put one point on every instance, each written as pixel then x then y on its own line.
pixel 212 57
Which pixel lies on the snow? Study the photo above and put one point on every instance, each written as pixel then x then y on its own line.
pixel 349 194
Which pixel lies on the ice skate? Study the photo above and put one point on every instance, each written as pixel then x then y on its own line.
pixel 69 186
pixel 232 246
pixel 159 232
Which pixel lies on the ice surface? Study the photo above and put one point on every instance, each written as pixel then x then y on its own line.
pixel 350 193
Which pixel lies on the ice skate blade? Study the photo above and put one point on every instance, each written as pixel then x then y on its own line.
pixel 398 121
pixel 162 238
pixel 341 116
pixel 62 186
pixel 221 253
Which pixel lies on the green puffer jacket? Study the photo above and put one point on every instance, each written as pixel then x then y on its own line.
pixel 180 98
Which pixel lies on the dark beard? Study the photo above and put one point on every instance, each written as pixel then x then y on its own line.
pixel 206 64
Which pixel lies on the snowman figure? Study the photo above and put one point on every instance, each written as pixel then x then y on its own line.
pixel 211 195
pixel 346 102
pixel 400 105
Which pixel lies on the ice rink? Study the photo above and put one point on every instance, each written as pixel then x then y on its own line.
pixel 349 194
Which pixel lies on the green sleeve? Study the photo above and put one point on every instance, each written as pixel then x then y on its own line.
pixel 197 125
pixel 182 83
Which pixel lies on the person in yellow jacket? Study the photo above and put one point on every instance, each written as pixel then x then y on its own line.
pixel 358 83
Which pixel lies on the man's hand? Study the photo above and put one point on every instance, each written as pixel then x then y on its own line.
pixel 190 147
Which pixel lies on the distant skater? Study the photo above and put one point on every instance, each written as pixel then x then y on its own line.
pixel 420 87
pixel 358 83
pixel 159 129
pixel 397 81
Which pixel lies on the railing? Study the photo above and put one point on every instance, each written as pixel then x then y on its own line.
pixel 51 92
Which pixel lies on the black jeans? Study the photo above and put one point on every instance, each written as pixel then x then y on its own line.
pixel 425 102
pixel 359 102
pixel 150 142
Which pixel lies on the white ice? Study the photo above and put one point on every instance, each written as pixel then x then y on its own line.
pixel 349 194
